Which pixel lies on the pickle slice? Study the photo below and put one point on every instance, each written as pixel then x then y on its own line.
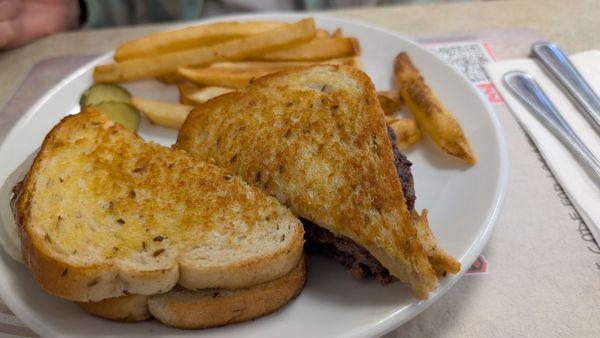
pixel 122 113
pixel 104 92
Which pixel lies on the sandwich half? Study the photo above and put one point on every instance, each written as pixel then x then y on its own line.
pixel 206 308
pixel 316 139
pixel 103 214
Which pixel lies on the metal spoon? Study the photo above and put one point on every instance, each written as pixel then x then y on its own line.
pixel 533 97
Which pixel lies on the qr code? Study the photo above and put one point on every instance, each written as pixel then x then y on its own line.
pixel 468 58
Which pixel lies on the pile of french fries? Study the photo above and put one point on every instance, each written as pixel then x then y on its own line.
pixel 209 60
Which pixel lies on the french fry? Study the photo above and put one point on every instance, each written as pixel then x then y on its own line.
pixel 194 95
pixel 185 90
pixel 337 33
pixel 431 115
pixel 171 78
pixel 162 64
pixel 351 61
pixel 407 132
pixel 315 50
pixel 321 34
pixel 240 74
pixel 191 37
pixel 224 77
pixel 390 119
pixel 440 260
pixel 170 115
pixel 390 101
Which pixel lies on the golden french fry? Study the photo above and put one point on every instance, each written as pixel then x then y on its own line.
pixel 224 77
pixel 440 260
pixel 390 101
pixel 316 49
pixel 171 78
pixel 337 33
pixel 351 61
pixel 356 63
pixel 185 90
pixel 321 34
pixel 240 74
pixel 194 95
pixel 190 38
pixel 407 132
pixel 170 115
pixel 162 64
pixel 390 119
pixel 431 115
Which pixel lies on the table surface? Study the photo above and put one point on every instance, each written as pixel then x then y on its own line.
pixel 535 286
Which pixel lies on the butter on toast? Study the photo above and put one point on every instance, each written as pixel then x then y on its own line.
pixel 102 213
pixel 316 139
pixel 204 308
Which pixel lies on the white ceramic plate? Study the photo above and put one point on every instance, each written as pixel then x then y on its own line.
pixel 464 203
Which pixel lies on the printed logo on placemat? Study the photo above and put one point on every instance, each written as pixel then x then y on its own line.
pixel 490 92
pixel 480 266
pixel 469 57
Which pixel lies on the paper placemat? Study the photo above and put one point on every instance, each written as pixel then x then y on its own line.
pixel 540 273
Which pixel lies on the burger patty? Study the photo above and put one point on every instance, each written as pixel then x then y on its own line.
pixel 403 165
pixel 349 253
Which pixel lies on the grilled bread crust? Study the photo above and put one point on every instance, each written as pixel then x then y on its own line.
pixel 128 308
pixel 316 139
pixel 205 308
pixel 103 213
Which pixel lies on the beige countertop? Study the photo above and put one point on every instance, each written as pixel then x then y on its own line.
pixel 572 24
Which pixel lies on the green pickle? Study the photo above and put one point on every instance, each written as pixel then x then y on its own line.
pixel 114 101
pixel 122 113
pixel 104 92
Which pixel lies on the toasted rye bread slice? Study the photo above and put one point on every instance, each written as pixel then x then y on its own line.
pixel 316 139
pixel 204 308
pixel 128 308
pixel 103 213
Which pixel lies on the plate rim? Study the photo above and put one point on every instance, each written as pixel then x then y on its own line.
pixel 401 315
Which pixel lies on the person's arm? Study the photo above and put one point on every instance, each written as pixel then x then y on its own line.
pixel 24 20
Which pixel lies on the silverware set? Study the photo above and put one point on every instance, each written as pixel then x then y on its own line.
pixel 556 63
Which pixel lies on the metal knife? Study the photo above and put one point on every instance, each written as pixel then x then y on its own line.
pixel 556 62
